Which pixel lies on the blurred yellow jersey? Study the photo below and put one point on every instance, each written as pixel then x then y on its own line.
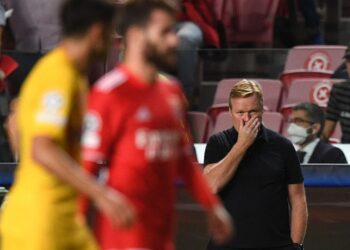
pixel 41 211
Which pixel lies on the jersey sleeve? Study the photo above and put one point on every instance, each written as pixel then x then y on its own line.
pixel 100 127
pixel 52 109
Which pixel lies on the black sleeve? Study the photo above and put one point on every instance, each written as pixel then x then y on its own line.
pixel 214 151
pixel 336 155
pixel 293 170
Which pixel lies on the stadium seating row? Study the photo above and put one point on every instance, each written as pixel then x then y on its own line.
pixel 306 78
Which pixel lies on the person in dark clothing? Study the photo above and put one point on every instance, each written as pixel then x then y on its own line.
pixel 257 175
pixel 306 124
pixel 338 107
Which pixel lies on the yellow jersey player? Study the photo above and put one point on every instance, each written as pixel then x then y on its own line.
pixel 41 209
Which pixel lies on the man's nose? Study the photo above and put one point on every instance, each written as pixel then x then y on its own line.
pixel 246 117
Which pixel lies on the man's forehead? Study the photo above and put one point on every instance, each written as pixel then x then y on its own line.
pixel 159 16
pixel 299 113
pixel 245 101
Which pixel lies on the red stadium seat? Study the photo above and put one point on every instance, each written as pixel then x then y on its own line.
pixel 271 120
pixel 249 20
pixel 290 75
pixel 199 124
pixel 315 57
pixel 307 90
pixel 311 62
pixel 223 122
pixel 215 110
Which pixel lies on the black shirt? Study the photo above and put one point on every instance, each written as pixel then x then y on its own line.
pixel 257 195
pixel 338 108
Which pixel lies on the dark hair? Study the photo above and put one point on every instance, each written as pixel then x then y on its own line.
pixel 313 112
pixel 77 16
pixel 138 12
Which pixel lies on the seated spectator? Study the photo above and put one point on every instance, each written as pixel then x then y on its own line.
pixel 306 124
pixel 34 24
pixel 2 20
pixel 197 27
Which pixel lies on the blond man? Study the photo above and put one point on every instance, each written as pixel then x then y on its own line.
pixel 256 173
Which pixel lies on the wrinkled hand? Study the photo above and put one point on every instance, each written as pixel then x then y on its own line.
pixel 116 207
pixel 248 132
pixel 220 224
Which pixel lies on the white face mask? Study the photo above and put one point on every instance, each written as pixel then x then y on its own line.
pixel 297 134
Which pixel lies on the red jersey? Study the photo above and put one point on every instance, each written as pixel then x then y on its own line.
pixel 137 128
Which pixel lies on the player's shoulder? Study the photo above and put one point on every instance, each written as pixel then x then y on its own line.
pixel 111 81
pixel 51 72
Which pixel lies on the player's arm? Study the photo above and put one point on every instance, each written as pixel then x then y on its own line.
pixel 51 114
pixel 12 129
pixel 299 212
pixel 219 221
pixel 101 128
pixel 49 154
pixel 332 114
pixel 220 173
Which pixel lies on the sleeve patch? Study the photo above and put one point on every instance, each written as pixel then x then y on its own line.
pixel 92 124
pixel 51 109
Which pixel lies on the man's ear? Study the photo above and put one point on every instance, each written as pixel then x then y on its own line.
pixel 95 32
pixel 134 34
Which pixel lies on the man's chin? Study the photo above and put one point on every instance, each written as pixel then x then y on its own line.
pixel 168 67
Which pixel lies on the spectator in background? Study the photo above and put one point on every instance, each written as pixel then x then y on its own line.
pixel 196 28
pixel 306 124
pixel 190 40
pixel 338 109
pixel 35 29
pixel 34 24
pixel 257 175
pixel 312 19
pixel 2 21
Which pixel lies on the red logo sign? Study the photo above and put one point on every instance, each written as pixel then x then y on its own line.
pixel 320 93
pixel 318 62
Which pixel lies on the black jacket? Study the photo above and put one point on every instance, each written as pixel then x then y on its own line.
pixel 326 153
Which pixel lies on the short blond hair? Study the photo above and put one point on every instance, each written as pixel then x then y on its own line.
pixel 246 88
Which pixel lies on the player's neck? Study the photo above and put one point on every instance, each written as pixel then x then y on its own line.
pixel 147 72
pixel 77 52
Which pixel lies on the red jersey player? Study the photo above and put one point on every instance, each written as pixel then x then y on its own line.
pixel 134 122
